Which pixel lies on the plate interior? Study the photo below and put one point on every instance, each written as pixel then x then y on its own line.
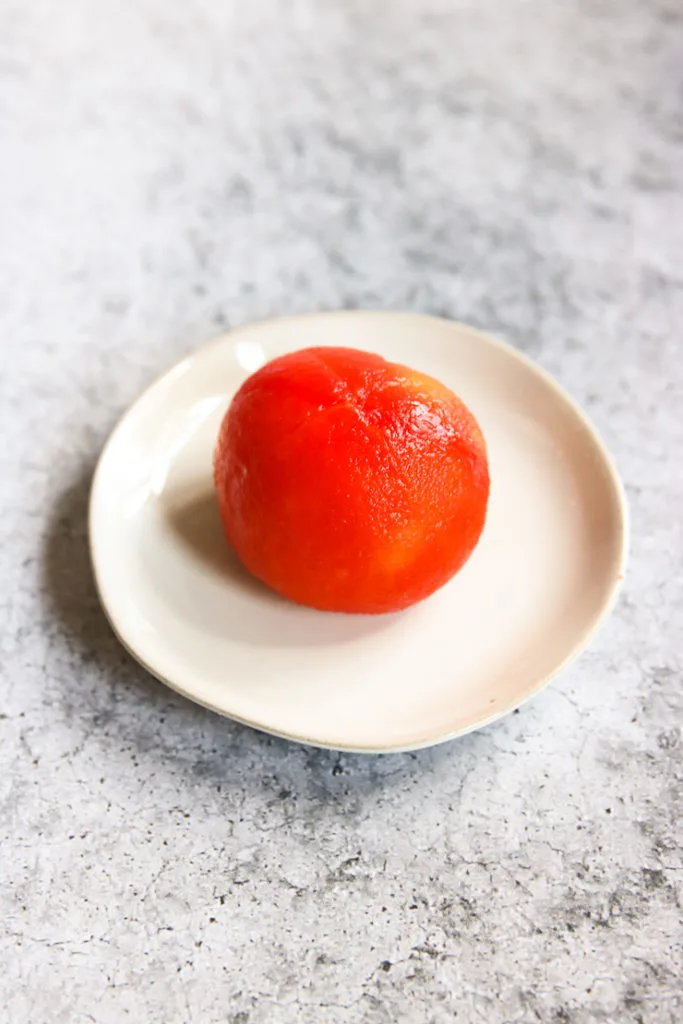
pixel 544 573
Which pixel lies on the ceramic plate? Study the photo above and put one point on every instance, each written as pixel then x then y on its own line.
pixel 543 576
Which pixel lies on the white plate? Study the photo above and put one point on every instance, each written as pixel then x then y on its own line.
pixel 543 576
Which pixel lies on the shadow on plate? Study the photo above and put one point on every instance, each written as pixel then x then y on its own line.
pixel 248 611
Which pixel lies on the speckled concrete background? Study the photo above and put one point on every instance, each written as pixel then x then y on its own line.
pixel 169 168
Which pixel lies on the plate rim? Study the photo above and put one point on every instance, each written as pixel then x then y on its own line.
pixel 584 638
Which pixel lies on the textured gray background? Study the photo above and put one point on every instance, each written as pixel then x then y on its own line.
pixel 168 169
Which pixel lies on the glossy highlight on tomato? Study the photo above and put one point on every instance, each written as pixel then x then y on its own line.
pixel 349 483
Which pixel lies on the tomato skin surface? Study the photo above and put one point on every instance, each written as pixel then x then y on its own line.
pixel 349 483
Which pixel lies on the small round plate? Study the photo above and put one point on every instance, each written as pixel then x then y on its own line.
pixel 543 576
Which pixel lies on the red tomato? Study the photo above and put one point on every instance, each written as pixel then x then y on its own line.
pixel 349 483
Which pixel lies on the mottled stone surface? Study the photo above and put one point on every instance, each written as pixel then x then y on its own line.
pixel 167 169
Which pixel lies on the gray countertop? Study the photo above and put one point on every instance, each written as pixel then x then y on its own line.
pixel 168 169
